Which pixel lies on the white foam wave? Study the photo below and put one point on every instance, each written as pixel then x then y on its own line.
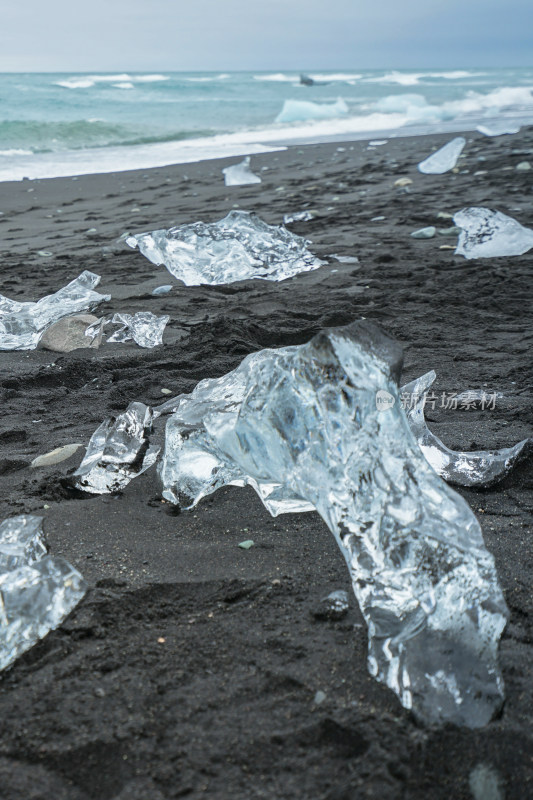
pixel 414 78
pixel 301 110
pixel 206 78
pixel 346 77
pixel 278 77
pixel 150 78
pixel 124 85
pixel 75 83
pixel 16 152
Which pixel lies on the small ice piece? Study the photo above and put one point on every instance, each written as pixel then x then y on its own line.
pixel 424 233
pixel 490 234
pixel 478 468
pixel 236 248
pixel 146 329
pixel 37 591
pixel 118 451
pixel 162 289
pixel 21 542
pixel 309 422
pixel 240 174
pixel 23 324
pixel 299 216
pixel 302 110
pixel 498 128
pixel 444 159
pixel 378 142
pixel 333 607
pixel 345 259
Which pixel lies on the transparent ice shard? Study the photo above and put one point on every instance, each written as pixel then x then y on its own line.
pixel 22 324
pixel 240 174
pixel 479 468
pixel 236 248
pixel 498 128
pixel 193 465
pixel 21 542
pixel 427 587
pixel 298 216
pixel 118 451
pixel 489 234
pixel 36 591
pixel 444 159
pixel 146 329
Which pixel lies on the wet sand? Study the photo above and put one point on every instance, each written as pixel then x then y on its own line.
pixel 192 666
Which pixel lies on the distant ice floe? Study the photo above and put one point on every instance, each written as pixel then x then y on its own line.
pixel 498 128
pixel 300 110
pixel 240 174
pixel 489 234
pixel 444 159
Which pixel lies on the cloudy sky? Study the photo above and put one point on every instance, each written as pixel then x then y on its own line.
pixel 65 35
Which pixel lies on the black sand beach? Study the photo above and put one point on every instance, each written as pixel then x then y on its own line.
pixel 191 668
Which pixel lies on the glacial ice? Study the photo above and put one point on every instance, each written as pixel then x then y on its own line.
pixel 444 159
pixel 236 248
pixel 118 451
pixel 298 216
pixel 479 468
pixel 498 128
pixel 490 234
pixel 240 174
pixel 146 329
pixel 301 110
pixel 23 324
pixel 36 591
pixel 305 421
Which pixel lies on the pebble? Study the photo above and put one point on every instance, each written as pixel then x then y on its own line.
pixel 453 231
pixel 524 166
pixel 69 334
pixel 424 233
pixel 91 232
pixel 246 544
pixel 56 456
pixel 401 182
pixel 319 697
pixel 444 215
pixel 166 391
pixel 447 247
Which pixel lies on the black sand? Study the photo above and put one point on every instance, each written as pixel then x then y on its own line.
pixel 191 667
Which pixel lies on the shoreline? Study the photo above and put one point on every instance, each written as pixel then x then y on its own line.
pixel 77 163
pixel 192 667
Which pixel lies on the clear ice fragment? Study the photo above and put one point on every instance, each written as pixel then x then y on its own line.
pixel 299 216
pixel 36 591
pixel 310 424
pixel 118 451
pixel 444 159
pixel 236 248
pixel 498 128
pixel 333 607
pixel 490 234
pixel 21 542
pixel 240 174
pixel 146 329
pixel 478 468
pixel 23 324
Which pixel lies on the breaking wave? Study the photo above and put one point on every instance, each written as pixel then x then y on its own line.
pixel 119 81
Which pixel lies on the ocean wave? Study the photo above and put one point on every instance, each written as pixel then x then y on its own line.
pixel 206 78
pixel 346 77
pixel 125 85
pixel 119 81
pixel 301 110
pixel 278 77
pixel 15 151
pixel 414 78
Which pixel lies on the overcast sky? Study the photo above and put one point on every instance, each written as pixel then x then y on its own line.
pixel 103 35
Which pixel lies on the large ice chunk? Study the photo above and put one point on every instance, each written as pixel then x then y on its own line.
pixel 117 452
pixel 480 468
pixel 310 423
pixel 236 248
pixel 194 466
pixel 301 110
pixel 240 174
pixel 489 234
pixel 444 159
pixel 23 324
pixel 36 591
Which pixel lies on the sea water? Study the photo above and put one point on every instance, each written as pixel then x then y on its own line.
pixel 69 124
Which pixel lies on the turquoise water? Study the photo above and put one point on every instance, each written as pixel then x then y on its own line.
pixel 60 124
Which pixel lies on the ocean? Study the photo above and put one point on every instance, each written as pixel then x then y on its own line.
pixel 68 124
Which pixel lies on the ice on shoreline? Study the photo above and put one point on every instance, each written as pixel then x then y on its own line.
pixel 239 247
pixel 490 234
pixel 444 159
